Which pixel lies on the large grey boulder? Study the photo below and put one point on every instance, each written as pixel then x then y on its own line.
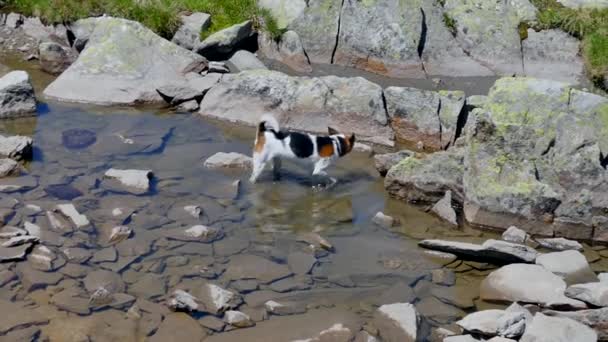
pixel 388 45
pixel 426 180
pixel 488 31
pixel 442 54
pixel 82 29
pixel 188 35
pixel 55 58
pixel 556 329
pixel 223 43
pixel 292 52
pixel 552 54
pixel 351 105
pixel 424 116
pixel 570 265
pixel 317 27
pixel 528 284
pixel 126 63
pixel 522 145
pixel 17 96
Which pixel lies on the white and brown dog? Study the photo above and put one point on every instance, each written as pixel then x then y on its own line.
pixel 272 144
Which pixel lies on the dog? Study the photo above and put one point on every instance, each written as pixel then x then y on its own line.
pixel 272 144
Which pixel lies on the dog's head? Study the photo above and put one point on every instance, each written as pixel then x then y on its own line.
pixel 346 141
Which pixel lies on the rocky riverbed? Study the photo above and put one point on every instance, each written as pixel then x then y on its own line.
pixel 138 223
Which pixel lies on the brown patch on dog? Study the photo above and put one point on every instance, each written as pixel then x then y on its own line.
pixel 260 142
pixel 326 151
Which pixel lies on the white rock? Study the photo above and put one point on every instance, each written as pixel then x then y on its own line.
pixel 182 301
pixel 244 60
pixel 216 299
pixel 554 329
pixel 592 293
pixel 228 160
pixel 70 211
pixel 119 233
pixel 570 265
pixel 193 210
pixel 560 244
pixel 56 224
pixel 20 240
pixel 383 220
pixel 138 179
pixel 515 235
pixel 238 319
pixel 527 283
pixel 482 322
pixel 397 322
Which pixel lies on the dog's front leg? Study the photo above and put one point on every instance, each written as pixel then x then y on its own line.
pixel 276 168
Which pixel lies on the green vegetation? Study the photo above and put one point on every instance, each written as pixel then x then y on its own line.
pixel 450 23
pixel 589 25
pixel 162 16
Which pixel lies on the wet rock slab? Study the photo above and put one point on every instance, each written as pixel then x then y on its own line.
pixel 255 267
pixel 491 250
pixel 19 317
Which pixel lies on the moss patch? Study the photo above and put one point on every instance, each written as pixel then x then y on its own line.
pixel 161 16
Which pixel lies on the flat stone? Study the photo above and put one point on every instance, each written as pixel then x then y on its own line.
pixel 78 255
pixel 19 318
pixel 137 181
pixel 6 277
pixel 70 211
pixel 438 312
pixel 254 267
pixel 110 281
pixel 492 250
pixel 198 233
pixel 178 327
pixel 32 279
pixel 555 329
pixel 300 262
pixel 228 160
pixel 17 184
pixel 14 253
pixel 119 234
pixel 72 300
pixel 149 286
pixel 108 254
pixel 212 322
pixel 20 240
pixel 571 265
pixel 397 322
pixel 458 296
pixel 443 277
pixel 529 284
pixel 552 54
pixel 238 319
pixel 284 308
pixel 560 244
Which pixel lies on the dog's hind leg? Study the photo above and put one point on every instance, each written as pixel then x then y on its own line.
pixel 276 168
pixel 259 162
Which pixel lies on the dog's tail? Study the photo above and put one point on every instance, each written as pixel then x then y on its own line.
pixel 268 123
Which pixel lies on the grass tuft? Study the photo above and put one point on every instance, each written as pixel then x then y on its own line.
pixel 450 23
pixel 589 25
pixel 161 16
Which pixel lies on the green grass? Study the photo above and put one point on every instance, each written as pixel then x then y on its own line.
pixel 450 23
pixel 161 16
pixel 589 25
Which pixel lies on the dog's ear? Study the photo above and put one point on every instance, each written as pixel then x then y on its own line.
pixel 332 131
pixel 352 139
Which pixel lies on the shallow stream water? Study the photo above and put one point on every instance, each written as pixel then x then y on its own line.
pixel 369 265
